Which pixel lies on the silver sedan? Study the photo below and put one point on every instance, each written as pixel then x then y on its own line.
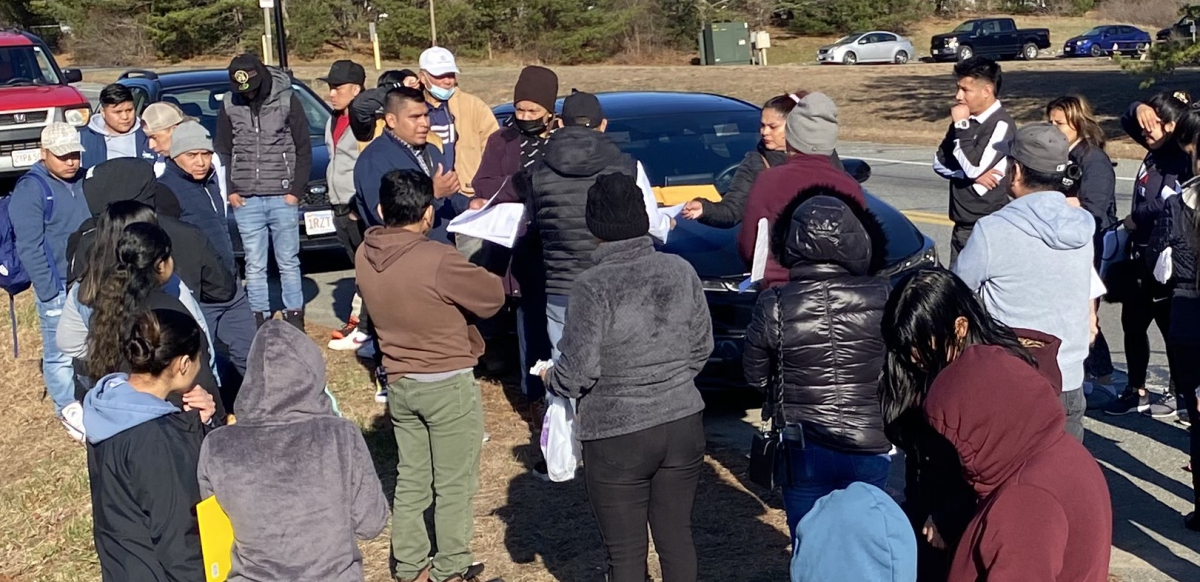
pixel 867 47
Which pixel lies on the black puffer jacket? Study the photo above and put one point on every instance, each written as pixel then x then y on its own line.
pixel 556 191
pixel 818 336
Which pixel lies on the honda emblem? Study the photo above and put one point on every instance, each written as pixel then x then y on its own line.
pixel 19 117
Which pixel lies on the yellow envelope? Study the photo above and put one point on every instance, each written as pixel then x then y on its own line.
pixel 672 195
pixel 216 539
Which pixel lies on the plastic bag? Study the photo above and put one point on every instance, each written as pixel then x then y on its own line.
pixel 560 448
pixel 1164 267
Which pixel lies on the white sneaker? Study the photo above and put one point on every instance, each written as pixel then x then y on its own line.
pixel 351 342
pixel 381 396
pixel 72 419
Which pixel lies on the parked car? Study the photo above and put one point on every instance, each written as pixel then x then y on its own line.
pixel 691 144
pixel 200 94
pixel 34 92
pixel 1107 40
pixel 867 47
pixel 1184 31
pixel 998 38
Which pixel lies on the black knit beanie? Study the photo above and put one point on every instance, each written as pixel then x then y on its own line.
pixel 615 209
pixel 537 84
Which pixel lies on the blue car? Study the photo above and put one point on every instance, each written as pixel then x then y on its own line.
pixel 1107 40
pixel 690 140
pixel 199 94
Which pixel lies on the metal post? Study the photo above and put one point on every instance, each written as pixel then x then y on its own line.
pixel 375 45
pixel 267 40
pixel 432 26
pixel 281 36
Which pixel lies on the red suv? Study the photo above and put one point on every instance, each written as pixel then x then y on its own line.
pixel 33 93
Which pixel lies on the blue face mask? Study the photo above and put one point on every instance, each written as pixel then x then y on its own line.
pixel 441 94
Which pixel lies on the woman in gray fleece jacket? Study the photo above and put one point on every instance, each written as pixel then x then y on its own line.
pixel 297 481
pixel 637 334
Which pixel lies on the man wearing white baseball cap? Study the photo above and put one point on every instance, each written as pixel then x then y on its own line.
pixel 463 121
pixel 159 121
pixel 46 207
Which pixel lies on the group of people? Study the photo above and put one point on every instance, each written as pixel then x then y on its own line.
pixel 175 375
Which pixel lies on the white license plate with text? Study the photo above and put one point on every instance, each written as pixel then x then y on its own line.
pixel 23 158
pixel 318 222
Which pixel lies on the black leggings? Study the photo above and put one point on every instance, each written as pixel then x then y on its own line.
pixel 350 234
pixel 1137 314
pixel 1185 374
pixel 649 476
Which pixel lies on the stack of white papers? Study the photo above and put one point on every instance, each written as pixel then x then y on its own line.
pixel 758 266
pixel 495 223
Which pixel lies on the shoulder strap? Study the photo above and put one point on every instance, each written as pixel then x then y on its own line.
pixel 47 195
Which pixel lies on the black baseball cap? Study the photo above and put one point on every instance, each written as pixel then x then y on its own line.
pixel 582 109
pixel 245 73
pixel 345 73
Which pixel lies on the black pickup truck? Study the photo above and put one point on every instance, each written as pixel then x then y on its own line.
pixel 1182 32
pixel 998 38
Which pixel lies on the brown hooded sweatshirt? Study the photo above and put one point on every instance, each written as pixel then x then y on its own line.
pixel 421 293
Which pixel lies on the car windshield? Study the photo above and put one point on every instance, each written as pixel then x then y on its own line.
pixel 688 149
pixel 1095 31
pixel 26 65
pixel 203 103
pixel 849 38
pixel 965 27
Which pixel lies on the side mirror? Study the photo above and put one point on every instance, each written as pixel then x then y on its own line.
pixel 858 169
pixel 72 75
pixel 862 41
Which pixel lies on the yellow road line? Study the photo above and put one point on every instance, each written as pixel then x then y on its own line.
pixel 928 217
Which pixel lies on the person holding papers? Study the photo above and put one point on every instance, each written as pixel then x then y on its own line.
pixel 812 133
pixel 828 372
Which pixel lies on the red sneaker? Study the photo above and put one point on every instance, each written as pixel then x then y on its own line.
pixel 346 329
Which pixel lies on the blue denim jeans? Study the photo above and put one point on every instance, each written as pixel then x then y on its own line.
pixel 556 320
pixel 817 471
pixel 260 218
pixel 57 371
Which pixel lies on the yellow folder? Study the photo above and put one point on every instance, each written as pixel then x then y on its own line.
pixel 672 195
pixel 216 539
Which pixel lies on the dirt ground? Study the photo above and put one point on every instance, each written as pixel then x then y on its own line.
pixel 525 530
pixel 906 104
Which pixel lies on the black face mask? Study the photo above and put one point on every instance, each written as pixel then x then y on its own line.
pixel 531 128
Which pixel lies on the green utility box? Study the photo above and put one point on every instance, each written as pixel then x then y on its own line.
pixel 725 43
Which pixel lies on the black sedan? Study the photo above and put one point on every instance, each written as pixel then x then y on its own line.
pixel 690 140
pixel 200 93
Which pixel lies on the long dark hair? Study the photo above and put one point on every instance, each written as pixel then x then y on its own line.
pixel 102 256
pixel 123 292
pixel 919 332
pixel 156 337
pixel 784 104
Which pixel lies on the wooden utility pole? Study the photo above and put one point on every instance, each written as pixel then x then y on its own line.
pixel 432 26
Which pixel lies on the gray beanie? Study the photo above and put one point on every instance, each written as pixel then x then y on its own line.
pixel 812 126
pixel 189 136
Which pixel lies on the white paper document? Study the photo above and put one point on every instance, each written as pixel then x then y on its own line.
pixel 672 211
pixel 758 266
pixel 495 223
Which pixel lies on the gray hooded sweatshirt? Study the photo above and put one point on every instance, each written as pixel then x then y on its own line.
pixel 1031 264
pixel 297 481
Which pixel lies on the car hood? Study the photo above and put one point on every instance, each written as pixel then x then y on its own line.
pixel 944 36
pixel 39 96
pixel 830 47
pixel 1075 39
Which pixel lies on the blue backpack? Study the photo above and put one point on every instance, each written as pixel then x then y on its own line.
pixel 13 276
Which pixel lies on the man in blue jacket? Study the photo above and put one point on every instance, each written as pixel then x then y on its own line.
pixel 116 132
pixel 47 206
pixel 407 144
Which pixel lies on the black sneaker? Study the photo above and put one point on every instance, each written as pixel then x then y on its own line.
pixel 1130 401
pixel 1164 407
pixel 541 472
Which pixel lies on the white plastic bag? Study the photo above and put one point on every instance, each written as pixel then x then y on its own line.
pixel 1164 266
pixel 559 446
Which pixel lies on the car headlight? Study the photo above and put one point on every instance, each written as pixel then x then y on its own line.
pixel 952 42
pixel 1081 42
pixel 78 116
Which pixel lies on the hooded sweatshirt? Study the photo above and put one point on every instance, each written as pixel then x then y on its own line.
pixel 1031 264
pixel 1045 512
pixel 296 480
pixel 775 189
pixel 142 466
pixel 197 262
pixel 431 330
pixel 856 534
pixel 41 244
pixel 101 144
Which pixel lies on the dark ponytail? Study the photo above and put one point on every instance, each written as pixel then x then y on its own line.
pixel 156 337
pixel 1170 106
pixel 123 292
pixel 784 104
pixel 102 255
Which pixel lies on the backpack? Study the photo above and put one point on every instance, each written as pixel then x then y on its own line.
pixel 13 276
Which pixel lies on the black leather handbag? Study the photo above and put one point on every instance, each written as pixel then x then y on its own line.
pixel 766 447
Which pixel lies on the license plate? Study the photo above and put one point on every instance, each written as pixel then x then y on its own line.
pixel 318 222
pixel 23 158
